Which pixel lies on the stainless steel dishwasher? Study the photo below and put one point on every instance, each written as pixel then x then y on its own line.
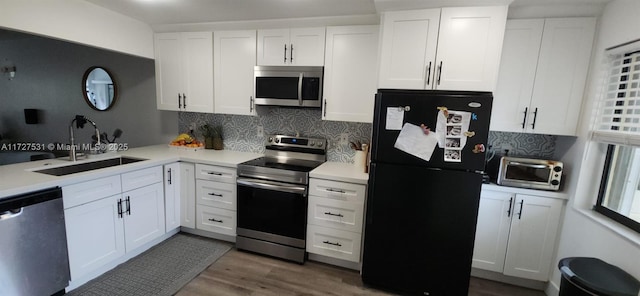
pixel 34 257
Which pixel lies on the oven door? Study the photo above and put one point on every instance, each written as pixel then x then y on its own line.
pixel 272 211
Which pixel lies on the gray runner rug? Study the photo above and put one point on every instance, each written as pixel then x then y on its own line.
pixel 161 270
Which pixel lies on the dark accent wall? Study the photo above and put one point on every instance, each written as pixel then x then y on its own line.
pixel 49 78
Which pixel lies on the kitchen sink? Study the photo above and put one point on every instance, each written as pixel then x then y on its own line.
pixel 88 166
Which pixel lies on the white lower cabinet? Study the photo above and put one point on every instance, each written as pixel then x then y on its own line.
pixel 179 195
pixel 187 195
pixel 216 199
pixel 95 235
pixel 334 219
pixel 102 226
pixel 516 234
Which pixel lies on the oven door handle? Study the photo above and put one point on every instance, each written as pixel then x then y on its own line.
pixel 275 186
pixel 535 166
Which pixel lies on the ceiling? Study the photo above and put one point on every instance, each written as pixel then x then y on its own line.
pixel 165 12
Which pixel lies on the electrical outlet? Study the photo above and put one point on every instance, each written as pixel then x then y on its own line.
pixel 259 131
pixel 192 126
pixel 344 139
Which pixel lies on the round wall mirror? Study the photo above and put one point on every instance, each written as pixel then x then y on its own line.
pixel 99 91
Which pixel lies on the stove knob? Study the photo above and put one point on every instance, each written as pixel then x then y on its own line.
pixel 270 139
pixel 277 140
pixel 312 143
pixel 320 144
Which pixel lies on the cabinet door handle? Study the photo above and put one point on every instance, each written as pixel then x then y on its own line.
pixel 214 220
pixel 524 119
pixel 510 204
pixel 250 104
pixel 214 194
pixel 184 101
pixel 285 53
pixel 291 53
pixel 325 107
pixel 332 214
pixel 335 190
pixel 428 73
pixel 520 213
pixel 535 116
pixel 439 72
pixel 119 208
pixel 128 200
pixel 333 244
pixel 179 101
pixel 169 173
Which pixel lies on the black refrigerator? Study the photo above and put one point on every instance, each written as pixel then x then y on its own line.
pixel 427 153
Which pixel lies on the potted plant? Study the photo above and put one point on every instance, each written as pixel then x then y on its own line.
pixel 212 137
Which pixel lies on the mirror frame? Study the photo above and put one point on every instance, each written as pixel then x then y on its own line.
pixel 84 88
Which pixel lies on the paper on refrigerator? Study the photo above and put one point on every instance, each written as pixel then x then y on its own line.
pixel 395 117
pixel 414 141
pixel 451 129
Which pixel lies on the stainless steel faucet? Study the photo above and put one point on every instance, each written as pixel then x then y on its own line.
pixel 80 121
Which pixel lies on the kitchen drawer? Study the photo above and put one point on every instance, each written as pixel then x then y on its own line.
pixel 337 190
pixel 335 213
pixel 216 194
pixel 215 173
pixel 89 191
pixel 216 220
pixel 141 178
pixel 334 243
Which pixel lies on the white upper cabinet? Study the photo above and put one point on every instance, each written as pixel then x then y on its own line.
pixel 350 73
pixel 449 49
pixel 184 71
pixel 234 58
pixel 542 75
pixel 295 46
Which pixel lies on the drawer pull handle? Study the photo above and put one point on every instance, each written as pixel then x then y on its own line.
pixel 333 244
pixel 214 173
pixel 332 214
pixel 214 220
pixel 335 190
pixel 214 194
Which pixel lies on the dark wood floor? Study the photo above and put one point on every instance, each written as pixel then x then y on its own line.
pixel 241 273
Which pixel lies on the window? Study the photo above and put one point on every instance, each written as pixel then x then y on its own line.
pixel 619 126
pixel 619 196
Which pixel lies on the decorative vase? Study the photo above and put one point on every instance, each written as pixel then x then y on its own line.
pixel 208 143
pixel 217 144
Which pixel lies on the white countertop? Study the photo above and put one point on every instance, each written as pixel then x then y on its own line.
pixel 19 178
pixel 543 193
pixel 340 171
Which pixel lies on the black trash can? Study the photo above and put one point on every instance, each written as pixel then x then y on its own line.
pixel 591 276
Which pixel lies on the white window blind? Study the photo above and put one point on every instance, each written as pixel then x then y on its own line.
pixel 619 114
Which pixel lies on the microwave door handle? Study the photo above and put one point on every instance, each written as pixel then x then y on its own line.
pixel 274 186
pixel 300 78
pixel 535 166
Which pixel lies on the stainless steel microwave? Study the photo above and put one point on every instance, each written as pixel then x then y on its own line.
pixel 288 86
pixel 530 173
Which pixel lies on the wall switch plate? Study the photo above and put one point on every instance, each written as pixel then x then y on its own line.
pixel 259 131
pixel 344 139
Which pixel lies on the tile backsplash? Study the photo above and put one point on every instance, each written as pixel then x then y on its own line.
pixel 240 132
pixel 525 145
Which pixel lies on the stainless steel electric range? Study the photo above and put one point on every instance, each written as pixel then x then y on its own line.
pixel 273 194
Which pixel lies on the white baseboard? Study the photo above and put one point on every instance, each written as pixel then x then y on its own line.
pixel 499 277
pixel 335 261
pixel 553 289
pixel 209 234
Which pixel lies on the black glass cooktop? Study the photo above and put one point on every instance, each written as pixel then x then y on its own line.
pixel 298 165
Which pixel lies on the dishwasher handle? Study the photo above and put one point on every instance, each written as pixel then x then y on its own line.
pixel 6 215
pixel 12 203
